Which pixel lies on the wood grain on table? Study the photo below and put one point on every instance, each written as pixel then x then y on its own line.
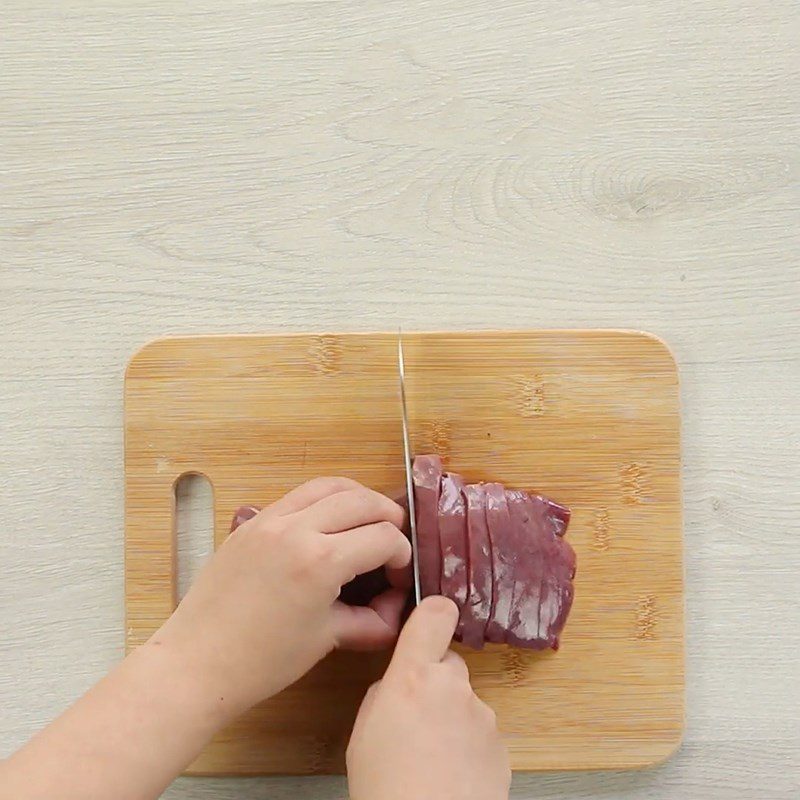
pixel 289 166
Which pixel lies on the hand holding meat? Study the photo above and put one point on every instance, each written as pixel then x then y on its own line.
pixel 265 609
pixel 421 731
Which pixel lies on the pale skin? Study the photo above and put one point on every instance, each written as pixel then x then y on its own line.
pixel 260 615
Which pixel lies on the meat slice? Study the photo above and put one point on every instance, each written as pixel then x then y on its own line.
pixel 498 523
pixel 453 539
pixel 427 474
pixel 558 516
pixel 242 514
pixel 475 614
pixel 557 592
pixel 543 572
pixel 527 543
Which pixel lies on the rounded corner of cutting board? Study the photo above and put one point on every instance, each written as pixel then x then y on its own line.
pixel 670 746
pixel 144 354
pixel 660 347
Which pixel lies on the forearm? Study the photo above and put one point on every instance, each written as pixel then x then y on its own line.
pixel 127 738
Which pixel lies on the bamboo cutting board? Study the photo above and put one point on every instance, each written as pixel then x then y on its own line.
pixel 590 418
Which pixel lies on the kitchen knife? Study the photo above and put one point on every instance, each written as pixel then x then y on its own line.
pixel 409 477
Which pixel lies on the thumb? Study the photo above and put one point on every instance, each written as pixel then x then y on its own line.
pixel 426 636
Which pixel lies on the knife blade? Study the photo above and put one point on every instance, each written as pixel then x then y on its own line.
pixel 401 369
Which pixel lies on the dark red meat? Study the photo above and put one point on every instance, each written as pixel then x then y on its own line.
pixel 475 614
pixel 557 592
pixel 543 572
pixel 503 556
pixel 427 482
pixel 528 546
pixel 453 539
pixel 242 514
pixel 505 563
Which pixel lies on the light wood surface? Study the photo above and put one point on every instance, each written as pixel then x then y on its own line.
pixel 590 418
pixel 289 166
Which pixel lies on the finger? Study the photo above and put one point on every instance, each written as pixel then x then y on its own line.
pixel 371 627
pixel 401 498
pixel 350 509
pixel 402 578
pixel 487 712
pixel 364 710
pixel 456 664
pixel 369 697
pixel 389 606
pixel 311 492
pixel 426 636
pixel 366 548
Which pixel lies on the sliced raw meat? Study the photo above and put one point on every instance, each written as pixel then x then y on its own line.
pixel 557 592
pixel 475 613
pixel 503 556
pixel 557 515
pixel 453 539
pixel 543 572
pixel 527 544
pixel 243 513
pixel 427 475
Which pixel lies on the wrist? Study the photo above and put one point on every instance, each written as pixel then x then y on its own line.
pixel 186 686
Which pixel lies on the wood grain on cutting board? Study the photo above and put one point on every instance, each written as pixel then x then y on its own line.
pixel 590 418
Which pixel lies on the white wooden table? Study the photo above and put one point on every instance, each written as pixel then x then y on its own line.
pixel 276 166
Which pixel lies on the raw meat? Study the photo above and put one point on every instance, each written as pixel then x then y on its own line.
pixel 499 526
pixel 453 539
pixel 527 575
pixel 543 572
pixel 243 513
pixel 475 614
pixel 427 475
pixel 557 592
pixel 504 561
pixel 558 516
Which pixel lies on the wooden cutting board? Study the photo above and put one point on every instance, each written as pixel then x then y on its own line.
pixel 590 418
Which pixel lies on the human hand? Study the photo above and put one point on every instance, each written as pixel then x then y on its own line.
pixel 264 610
pixel 421 732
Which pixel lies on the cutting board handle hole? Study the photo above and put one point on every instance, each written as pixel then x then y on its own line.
pixel 194 527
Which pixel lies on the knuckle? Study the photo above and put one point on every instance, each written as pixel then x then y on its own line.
pixel 375 502
pixel 270 527
pixel 463 689
pixel 388 530
pixel 362 496
pixel 448 680
pixel 311 556
pixel 412 681
pixel 487 713
pixel 333 483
